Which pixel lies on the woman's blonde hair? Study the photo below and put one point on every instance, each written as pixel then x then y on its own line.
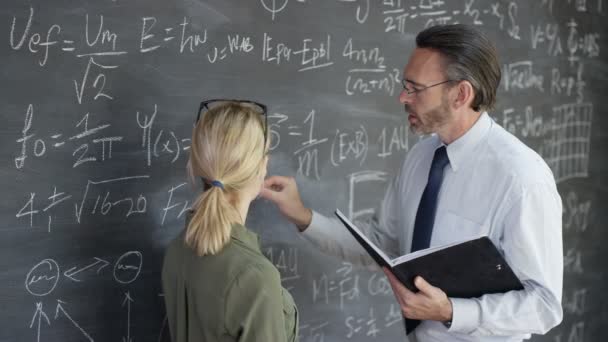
pixel 228 145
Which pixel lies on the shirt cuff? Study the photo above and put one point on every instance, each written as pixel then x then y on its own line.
pixel 465 315
pixel 317 225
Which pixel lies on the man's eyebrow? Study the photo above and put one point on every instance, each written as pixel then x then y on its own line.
pixel 413 82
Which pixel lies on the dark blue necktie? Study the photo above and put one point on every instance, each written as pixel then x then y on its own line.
pixel 425 217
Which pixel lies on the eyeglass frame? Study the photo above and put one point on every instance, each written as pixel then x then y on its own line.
pixel 416 91
pixel 205 104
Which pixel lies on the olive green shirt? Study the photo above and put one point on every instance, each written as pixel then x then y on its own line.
pixel 234 295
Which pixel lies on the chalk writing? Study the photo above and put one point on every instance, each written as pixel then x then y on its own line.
pixel 363 215
pixel 73 273
pixel 99 105
pixel 349 145
pixel 547 34
pixel 274 6
pixel 362 324
pixel 568 85
pixel 347 287
pixel 393 316
pixel 164 143
pixel 35 39
pixel 127 301
pixel 308 153
pixel 573 261
pixel 183 206
pixel 378 284
pixel 40 314
pixel 42 278
pixel 188 40
pixel 128 267
pixel 578 43
pixel 312 55
pixel 575 302
pixel 313 332
pixel 65 314
pixel 576 213
pixel 567 149
pixel 395 140
pixel 520 75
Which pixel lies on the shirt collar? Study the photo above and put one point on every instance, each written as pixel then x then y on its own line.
pixel 245 236
pixel 462 148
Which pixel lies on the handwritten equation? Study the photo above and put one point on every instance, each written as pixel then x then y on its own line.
pixel 116 149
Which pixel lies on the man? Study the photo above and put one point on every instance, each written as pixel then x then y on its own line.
pixel 470 177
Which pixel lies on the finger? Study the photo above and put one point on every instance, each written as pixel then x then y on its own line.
pixel 276 181
pixel 391 276
pixel 423 285
pixel 403 291
pixel 388 273
pixel 274 185
pixel 393 283
pixel 269 194
pixel 407 299
pixel 391 279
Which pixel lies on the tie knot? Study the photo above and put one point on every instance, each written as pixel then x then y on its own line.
pixel 440 159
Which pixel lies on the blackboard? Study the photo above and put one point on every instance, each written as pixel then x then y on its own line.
pixel 98 101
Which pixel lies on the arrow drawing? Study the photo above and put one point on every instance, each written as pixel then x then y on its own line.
pixel 100 263
pixel 128 300
pixel 65 313
pixel 40 314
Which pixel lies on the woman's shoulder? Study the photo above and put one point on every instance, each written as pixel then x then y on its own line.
pixel 256 276
pixel 255 265
pixel 175 246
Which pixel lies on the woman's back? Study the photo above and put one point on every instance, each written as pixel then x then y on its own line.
pixel 218 285
pixel 234 295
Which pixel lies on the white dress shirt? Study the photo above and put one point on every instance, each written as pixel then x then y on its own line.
pixel 494 185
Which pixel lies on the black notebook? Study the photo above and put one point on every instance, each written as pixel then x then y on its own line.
pixel 465 269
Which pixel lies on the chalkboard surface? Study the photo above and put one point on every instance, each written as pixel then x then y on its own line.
pixel 98 102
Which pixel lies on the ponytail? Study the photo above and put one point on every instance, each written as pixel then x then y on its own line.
pixel 227 152
pixel 211 224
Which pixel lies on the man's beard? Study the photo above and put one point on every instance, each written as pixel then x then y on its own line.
pixel 430 121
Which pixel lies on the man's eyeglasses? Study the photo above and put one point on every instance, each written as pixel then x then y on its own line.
pixel 410 88
pixel 256 106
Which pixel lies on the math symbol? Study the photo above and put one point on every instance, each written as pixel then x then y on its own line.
pixel 271 6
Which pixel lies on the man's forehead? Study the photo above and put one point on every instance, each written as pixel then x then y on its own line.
pixel 425 62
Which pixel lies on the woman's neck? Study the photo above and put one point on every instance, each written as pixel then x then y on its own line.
pixel 243 200
pixel 242 206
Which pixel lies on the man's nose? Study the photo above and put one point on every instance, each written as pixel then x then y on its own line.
pixel 404 97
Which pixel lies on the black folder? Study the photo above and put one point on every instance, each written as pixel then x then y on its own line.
pixel 465 269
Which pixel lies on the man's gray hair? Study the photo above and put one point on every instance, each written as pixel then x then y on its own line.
pixel 469 55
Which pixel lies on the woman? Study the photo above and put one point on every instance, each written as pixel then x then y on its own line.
pixel 218 285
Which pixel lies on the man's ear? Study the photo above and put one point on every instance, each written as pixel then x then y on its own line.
pixel 465 94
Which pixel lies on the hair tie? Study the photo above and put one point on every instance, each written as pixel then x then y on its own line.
pixel 218 184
